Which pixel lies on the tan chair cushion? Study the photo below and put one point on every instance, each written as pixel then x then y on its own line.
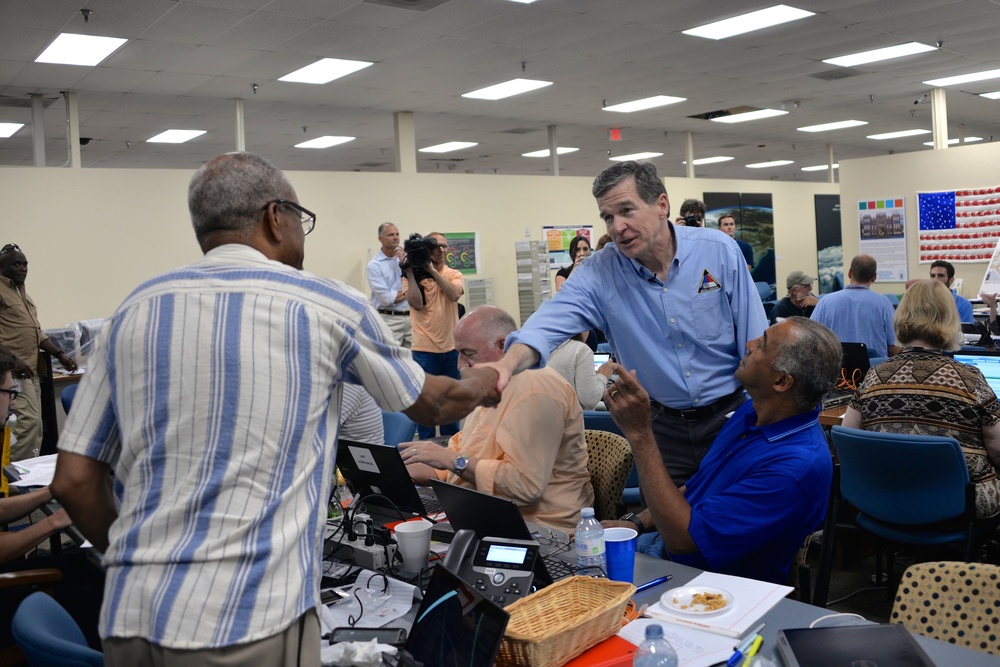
pixel 609 465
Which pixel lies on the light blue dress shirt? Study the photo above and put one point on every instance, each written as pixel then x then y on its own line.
pixel 386 280
pixel 684 337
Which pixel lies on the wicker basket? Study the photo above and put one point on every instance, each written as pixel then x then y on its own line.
pixel 558 623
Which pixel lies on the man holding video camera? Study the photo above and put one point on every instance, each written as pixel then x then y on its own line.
pixel 432 290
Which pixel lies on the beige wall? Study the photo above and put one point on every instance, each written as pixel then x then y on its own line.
pixel 92 235
pixel 959 167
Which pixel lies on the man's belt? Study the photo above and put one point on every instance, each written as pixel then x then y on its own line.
pixel 386 311
pixel 700 413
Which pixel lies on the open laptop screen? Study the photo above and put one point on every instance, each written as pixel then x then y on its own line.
pixel 988 364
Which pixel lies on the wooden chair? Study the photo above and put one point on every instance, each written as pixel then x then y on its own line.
pixel 609 464
pixel 951 601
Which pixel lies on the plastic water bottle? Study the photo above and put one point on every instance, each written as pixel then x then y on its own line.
pixel 590 542
pixel 655 651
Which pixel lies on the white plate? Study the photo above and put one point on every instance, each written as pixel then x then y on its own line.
pixel 678 601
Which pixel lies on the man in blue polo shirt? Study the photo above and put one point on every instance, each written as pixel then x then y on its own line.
pixel 945 272
pixel 764 484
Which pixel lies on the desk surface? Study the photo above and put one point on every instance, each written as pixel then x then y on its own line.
pixel 792 614
pixel 832 416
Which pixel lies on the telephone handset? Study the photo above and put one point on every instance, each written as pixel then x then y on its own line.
pixel 501 569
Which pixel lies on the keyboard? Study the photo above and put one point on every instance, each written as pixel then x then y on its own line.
pixel 558 568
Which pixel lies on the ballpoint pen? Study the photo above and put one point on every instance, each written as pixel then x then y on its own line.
pixel 739 651
pixel 654 582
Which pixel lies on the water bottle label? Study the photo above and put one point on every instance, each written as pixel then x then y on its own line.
pixel 592 546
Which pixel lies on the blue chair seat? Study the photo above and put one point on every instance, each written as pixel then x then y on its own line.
pixel 49 637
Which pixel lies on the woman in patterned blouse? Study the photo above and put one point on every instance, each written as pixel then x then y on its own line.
pixel 922 391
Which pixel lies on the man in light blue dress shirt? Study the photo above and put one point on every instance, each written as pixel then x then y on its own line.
pixel 677 305
pixel 386 280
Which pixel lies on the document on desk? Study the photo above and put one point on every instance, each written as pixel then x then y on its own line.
pixel 380 605
pixel 35 472
pixel 694 647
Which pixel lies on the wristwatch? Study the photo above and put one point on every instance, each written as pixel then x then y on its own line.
pixel 460 464
pixel 634 518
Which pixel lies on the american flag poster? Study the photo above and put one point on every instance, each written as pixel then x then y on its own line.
pixel 959 225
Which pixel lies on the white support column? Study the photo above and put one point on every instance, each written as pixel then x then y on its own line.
pixel 73 131
pixel 689 152
pixel 829 164
pixel 939 118
pixel 241 137
pixel 406 142
pixel 38 128
pixel 553 150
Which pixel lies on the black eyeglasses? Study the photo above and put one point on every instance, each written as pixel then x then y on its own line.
pixel 13 391
pixel 306 217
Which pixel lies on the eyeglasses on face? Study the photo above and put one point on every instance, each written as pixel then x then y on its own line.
pixel 306 217
pixel 13 392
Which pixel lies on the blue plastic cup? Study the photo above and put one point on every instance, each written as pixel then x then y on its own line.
pixel 619 549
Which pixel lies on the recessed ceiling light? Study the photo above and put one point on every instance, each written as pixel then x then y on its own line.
pixel 749 115
pixel 876 55
pixel 954 142
pixel 175 136
pixel 646 103
pixel 820 167
pixel 839 125
pixel 523 2
pixel 709 160
pixel 560 150
pixel 991 96
pixel 772 163
pixel 507 89
pixel 897 135
pixel 737 25
pixel 325 70
pixel 965 78
pixel 8 129
pixel 635 156
pixel 449 146
pixel 324 142
pixel 71 49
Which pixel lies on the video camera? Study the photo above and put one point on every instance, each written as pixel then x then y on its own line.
pixel 418 251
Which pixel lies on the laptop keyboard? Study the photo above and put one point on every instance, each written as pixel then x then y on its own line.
pixel 558 568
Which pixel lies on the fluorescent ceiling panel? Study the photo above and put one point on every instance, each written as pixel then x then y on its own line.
pixel 875 55
pixel 772 163
pixel 991 96
pixel 449 146
pixel 634 156
pixel 839 125
pixel 507 89
pixel 71 49
pixel 964 78
pixel 749 115
pixel 897 135
pixel 737 25
pixel 560 150
pixel 175 136
pixel 709 160
pixel 954 142
pixel 8 129
pixel 324 142
pixel 820 167
pixel 325 71
pixel 646 103
pixel 523 2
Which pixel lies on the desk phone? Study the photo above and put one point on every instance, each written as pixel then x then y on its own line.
pixel 502 569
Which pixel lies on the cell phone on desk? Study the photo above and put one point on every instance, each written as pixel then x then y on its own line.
pixel 501 569
pixel 393 636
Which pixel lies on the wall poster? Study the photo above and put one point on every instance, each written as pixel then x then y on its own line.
pixel 558 238
pixel 959 225
pixel 882 228
pixel 463 252
pixel 829 243
pixel 754 224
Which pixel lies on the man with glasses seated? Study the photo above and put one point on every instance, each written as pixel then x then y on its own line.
pixel 22 335
pixel 214 393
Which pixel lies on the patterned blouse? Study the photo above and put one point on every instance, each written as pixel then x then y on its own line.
pixel 919 392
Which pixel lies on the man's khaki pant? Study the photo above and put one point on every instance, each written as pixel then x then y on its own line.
pixel 27 428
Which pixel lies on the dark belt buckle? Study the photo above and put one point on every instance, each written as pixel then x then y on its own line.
pixel 692 415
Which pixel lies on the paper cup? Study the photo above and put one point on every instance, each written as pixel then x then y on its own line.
pixel 413 538
pixel 619 545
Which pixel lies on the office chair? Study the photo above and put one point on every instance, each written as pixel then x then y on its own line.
pixel 632 495
pixel 893 299
pixel 600 420
pixel 49 637
pixel 909 489
pixel 953 602
pixel 66 397
pixel 609 461
pixel 398 427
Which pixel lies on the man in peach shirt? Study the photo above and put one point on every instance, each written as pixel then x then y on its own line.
pixel 529 448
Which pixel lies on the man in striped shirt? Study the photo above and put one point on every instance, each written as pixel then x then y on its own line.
pixel 214 394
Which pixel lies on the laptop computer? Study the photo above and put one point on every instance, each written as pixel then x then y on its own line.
pixel 856 362
pixel 378 473
pixel 851 645
pixel 490 516
pixel 454 626
pixel 988 362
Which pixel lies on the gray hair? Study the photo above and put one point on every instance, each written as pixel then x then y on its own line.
pixel 381 228
pixel 495 323
pixel 647 184
pixel 230 191
pixel 813 356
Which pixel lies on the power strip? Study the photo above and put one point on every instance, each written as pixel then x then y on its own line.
pixel 372 557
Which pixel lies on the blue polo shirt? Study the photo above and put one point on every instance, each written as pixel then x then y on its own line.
pixel 757 495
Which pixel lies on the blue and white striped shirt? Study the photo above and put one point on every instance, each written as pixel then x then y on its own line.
pixel 215 394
